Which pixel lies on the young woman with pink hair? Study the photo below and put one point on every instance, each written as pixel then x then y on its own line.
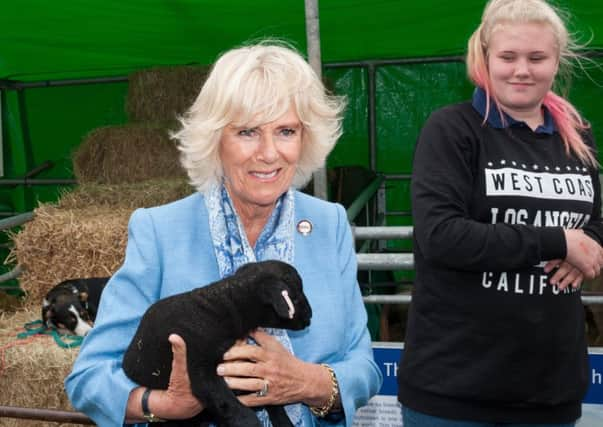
pixel 506 203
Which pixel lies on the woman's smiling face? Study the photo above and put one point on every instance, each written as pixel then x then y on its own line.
pixel 260 162
pixel 522 61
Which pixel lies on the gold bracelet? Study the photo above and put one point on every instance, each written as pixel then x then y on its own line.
pixel 322 411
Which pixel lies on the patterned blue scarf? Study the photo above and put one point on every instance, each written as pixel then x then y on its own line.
pixel 233 250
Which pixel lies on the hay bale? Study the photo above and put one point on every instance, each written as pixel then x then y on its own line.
pixel 84 234
pixel 134 195
pixel 163 93
pixel 60 244
pixel 32 370
pixel 125 154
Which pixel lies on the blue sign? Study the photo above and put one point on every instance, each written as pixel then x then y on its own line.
pixel 387 358
pixel 595 391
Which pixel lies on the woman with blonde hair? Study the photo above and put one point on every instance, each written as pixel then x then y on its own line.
pixel 261 125
pixel 506 203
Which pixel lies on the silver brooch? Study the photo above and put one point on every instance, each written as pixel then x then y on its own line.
pixel 304 227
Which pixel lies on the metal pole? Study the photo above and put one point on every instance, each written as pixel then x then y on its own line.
pixel 45 415
pixel 1 141
pixel 385 262
pixel 372 115
pixel 383 232
pixel 397 61
pixel 8 84
pixel 16 220
pixel 380 214
pixel 313 41
pixel 11 182
pixel 313 36
pixel 398 176
pixel 13 274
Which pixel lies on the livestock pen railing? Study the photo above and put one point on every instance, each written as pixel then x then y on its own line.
pixel 405 261
pixel 6 224
pixel 53 415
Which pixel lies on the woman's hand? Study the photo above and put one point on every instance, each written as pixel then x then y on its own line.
pixel 565 275
pixel 179 400
pixel 583 253
pixel 247 367
pixel 175 403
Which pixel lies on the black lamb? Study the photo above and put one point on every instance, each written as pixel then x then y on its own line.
pixel 210 319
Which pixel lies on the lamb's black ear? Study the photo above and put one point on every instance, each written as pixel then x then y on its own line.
pixel 281 302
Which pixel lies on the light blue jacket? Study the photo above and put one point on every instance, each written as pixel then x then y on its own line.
pixel 170 251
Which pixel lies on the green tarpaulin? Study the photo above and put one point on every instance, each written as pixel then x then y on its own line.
pixel 41 39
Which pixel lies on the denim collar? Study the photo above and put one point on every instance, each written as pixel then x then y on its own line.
pixel 494 118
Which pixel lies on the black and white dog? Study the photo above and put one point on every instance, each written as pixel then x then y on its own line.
pixel 71 305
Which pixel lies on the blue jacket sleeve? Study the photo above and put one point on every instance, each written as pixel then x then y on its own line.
pixel 358 375
pixel 97 384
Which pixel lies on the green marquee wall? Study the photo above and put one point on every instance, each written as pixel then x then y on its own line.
pixel 41 39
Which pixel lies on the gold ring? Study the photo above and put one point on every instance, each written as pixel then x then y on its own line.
pixel 264 391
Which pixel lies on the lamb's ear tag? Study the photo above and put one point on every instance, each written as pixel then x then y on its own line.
pixel 83 296
pixel 285 295
pixel 304 227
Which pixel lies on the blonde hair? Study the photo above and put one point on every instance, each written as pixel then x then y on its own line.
pixel 497 12
pixel 251 85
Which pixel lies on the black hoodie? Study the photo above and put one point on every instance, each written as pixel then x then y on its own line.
pixel 488 337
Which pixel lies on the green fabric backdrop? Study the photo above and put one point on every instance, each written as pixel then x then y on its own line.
pixel 41 39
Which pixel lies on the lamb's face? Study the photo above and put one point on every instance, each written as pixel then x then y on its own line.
pixel 283 297
pixel 299 311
